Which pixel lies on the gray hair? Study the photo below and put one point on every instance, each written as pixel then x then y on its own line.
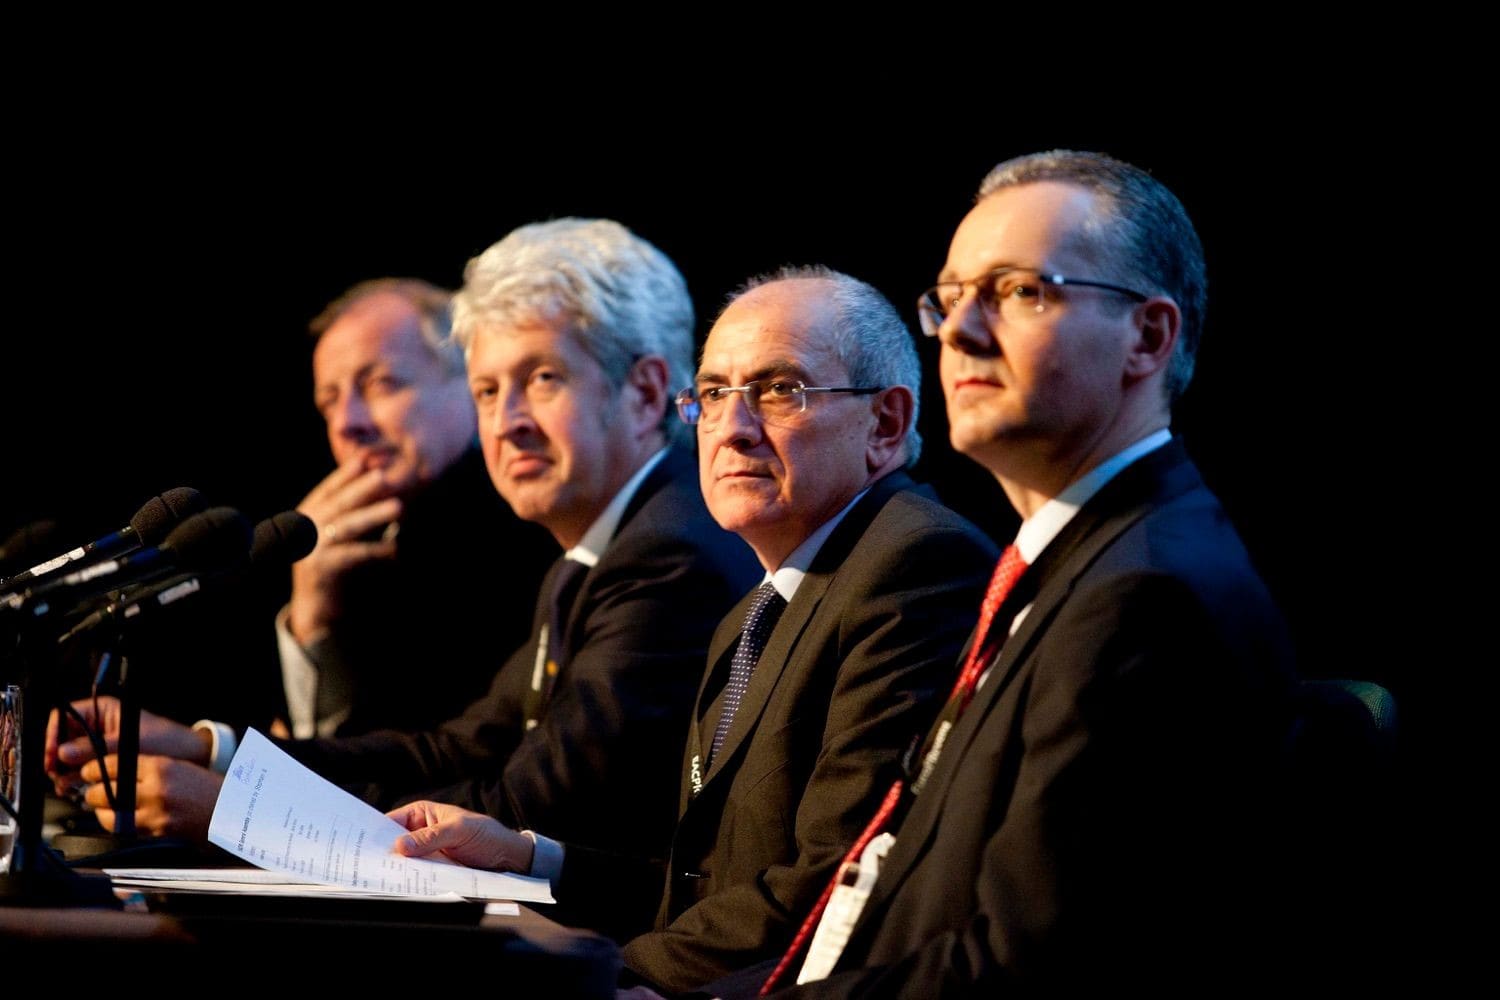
pixel 621 296
pixel 1143 234
pixel 867 335
pixel 433 305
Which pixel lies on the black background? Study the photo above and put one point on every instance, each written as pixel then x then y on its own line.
pixel 171 285
pixel 171 236
pixel 170 261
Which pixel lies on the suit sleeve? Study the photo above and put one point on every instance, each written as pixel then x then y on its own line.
pixel 388 765
pixel 601 768
pixel 891 657
pixel 1129 835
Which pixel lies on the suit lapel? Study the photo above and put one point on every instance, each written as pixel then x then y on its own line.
pixel 672 465
pixel 701 726
pixel 1046 584
pixel 782 644
pixel 773 662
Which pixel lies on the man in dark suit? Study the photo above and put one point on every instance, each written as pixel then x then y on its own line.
pixel 1091 809
pixel 805 407
pixel 574 330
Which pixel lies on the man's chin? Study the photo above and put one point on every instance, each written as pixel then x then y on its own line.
pixel 531 500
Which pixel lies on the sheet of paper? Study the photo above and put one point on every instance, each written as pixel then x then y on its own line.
pixel 279 887
pixel 276 814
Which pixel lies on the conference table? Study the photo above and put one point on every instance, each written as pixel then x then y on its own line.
pixel 236 944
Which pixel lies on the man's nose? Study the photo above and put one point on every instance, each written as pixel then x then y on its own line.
pixel 511 415
pixel 965 329
pixel 351 419
pixel 739 421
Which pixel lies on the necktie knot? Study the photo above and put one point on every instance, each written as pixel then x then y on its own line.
pixel 1007 571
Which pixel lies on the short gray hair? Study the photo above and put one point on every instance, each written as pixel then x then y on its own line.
pixel 433 306
pixel 868 336
pixel 1144 236
pixel 621 296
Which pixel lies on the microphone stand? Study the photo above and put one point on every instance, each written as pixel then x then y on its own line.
pixel 38 877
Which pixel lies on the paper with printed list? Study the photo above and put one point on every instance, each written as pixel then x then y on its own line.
pixel 276 814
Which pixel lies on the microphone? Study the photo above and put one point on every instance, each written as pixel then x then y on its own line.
pixel 278 541
pixel 283 539
pixel 150 526
pixel 217 537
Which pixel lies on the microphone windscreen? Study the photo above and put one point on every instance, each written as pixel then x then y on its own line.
pixel 164 512
pixel 283 539
pixel 217 538
pixel 184 501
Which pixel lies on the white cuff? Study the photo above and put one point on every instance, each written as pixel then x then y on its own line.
pixel 224 744
pixel 299 679
pixel 546 858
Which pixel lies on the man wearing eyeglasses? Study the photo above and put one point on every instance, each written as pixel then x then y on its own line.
pixel 1090 809
pixel 805 408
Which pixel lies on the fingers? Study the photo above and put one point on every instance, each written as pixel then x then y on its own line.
pixel 49 749
pixel 426 840
pixel 354 523
pixel 76 752
pixel 346 489
pixel 93 773
pixel 412 816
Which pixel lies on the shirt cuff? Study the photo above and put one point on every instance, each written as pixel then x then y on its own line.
pixel 299 679
pixel 546 857
pixel 222 746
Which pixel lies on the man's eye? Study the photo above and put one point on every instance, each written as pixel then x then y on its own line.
pixel 382 384
pixel 714 394
pixel 781 390
pixel 1026 291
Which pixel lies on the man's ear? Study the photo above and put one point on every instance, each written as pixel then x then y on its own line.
pixel 893 408
pixel 645 393
pixel 1158 322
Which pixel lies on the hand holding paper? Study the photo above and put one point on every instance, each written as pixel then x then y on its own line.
pixel 278 815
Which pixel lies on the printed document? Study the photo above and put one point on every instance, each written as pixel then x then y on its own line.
pixel 277 815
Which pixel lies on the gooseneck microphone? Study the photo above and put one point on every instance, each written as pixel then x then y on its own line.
pixel 214 539
pixel 278 541
pixel 150 526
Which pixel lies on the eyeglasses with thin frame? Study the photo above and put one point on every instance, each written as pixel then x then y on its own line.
pixel 771 400
pixel 1013 294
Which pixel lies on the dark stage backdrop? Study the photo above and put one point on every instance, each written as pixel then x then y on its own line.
pixel 172 274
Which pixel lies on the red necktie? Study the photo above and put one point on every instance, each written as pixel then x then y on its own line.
pixel 1007 571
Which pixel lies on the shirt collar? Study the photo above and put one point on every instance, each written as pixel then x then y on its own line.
pixel 788 576
pixel 595 540
pixel 1043 526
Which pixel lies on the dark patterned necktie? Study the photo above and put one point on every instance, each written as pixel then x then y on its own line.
pixel 552 652
pixel 761 617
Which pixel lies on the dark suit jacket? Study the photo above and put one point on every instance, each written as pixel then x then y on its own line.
pixel 610 736
pixel 855 666
pixel 1095 815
